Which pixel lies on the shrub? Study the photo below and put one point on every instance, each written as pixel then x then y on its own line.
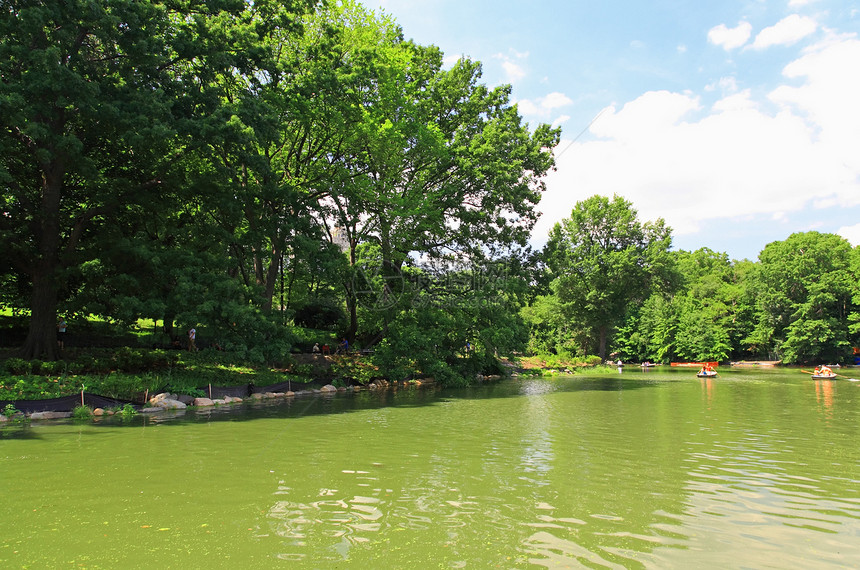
pixel 82 413
pixel 296 379
pixel 187 390
pixel 163 359
pixel 53 368
pixel 323 314
pixel 309 370
pixel 123 386
pixel 84 363
pixel 101 366
pixel 256 356
pixel 17 366
pixel 358 370
pixel 128 359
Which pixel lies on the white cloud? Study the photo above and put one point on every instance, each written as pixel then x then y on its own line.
pixel 647 117
pixel 736 102
pixel 828 97
pixel 555 100
pixel 799 3
pixel 730 38
pixel 851 233
pixel 514 71
pixel 560 121
pixel 725 84
pixel 542 108
pixel 450 60
pixel 787 31
pixel 740 157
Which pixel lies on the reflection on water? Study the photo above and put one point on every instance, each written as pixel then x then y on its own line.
pixel 649 469
pixel 824 393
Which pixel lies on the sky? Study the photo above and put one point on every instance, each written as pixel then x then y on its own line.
pixel 736 121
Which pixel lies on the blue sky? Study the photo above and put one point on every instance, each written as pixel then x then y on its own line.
pixel 736 121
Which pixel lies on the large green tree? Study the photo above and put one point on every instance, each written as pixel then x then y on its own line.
pixel 713 306
pixel 270 145
pixel 804 287
pixel 605 262
pixel 440 166
pixel 91 94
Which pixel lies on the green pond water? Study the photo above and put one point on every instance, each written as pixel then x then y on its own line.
pixel 640 469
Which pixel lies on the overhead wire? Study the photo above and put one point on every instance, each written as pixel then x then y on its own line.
pixel 582 132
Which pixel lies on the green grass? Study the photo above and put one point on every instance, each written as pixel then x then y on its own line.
pixel 82 413
pixel 552 361
pixel 126 373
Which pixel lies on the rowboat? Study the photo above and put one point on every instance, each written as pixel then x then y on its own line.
pixel 755 363
pixel 695 364
pixel 830 376
pixel 707 373
pixel 648 365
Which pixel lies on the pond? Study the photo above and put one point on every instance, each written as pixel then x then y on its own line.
pixel 639 469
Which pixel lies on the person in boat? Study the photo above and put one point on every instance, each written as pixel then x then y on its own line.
pixel 817 371
pixel 826 371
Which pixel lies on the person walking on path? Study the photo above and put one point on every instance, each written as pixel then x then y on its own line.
pixel 61 333
pixel 192 339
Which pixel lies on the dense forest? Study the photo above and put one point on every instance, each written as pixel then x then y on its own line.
pixel 254 167
pixel 606 279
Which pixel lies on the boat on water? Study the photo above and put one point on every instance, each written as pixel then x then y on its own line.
pixel 823 373
pixel 706 373
pixel 648 365
pixel 695 364
pixel 755 363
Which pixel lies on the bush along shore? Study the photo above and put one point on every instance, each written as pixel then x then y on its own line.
pixel 93 382
pixel 84 407
pixel 129 381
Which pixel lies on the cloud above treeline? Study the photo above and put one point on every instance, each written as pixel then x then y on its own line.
pixel 689 162
pixel 786 32
pixel 730 38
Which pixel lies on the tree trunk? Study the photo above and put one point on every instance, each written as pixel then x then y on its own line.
pixel 351 300
pixel 41 339
pixel 270 279
pixel 601 349
pixel 168 324
pixel 352 305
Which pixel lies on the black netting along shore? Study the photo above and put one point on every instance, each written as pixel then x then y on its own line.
pixel 69 403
